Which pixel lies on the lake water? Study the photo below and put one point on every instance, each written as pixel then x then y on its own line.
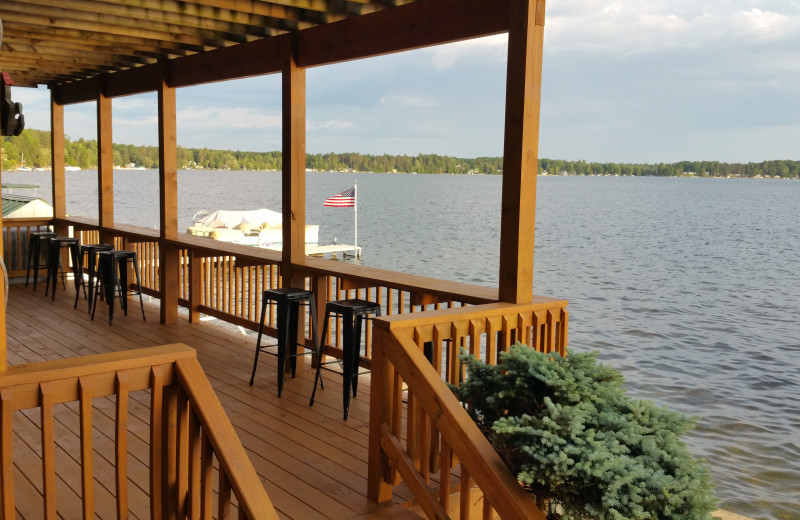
pixel 690 287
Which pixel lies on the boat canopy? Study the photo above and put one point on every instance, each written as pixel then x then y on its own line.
pixel 232 219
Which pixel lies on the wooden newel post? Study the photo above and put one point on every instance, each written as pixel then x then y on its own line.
pixel 521 146
pixel 379 486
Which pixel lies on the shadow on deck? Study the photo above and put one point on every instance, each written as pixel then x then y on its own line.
pixel 312 463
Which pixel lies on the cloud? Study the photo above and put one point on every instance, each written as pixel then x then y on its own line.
pixel 216 119
pixel 408 101
pixel 446 57
pixel 626 28
pixel 331 123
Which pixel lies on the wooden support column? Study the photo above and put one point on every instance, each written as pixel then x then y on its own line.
pixel 57 158
pixel 169 255
pixel 294 168
pixel 105 167
pixel 521 146
pixel 3 342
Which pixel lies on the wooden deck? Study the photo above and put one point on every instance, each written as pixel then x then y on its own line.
pixel 312 463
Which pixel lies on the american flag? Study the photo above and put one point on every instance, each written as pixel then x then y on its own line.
pixel 345 199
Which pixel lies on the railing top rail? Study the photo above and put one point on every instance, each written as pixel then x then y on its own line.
pixel 210 247
pixel 408 282
pixel 400 321
pixel 27 221
pixel 231 454
pixel 42 371
pixel 485 466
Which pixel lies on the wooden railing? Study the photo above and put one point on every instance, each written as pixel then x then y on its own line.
pixel 190 439
pixel 226 280
pixel 420 433
pixel 16 234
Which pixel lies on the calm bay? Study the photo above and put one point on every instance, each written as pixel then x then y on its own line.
pixel 689 286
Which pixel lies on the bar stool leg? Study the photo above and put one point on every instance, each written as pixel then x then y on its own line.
pixel 283 322
pixel 348 345
pixel 357 351
pixel 32 245
pixel 258 340
pixel 138 285
pixel 318 373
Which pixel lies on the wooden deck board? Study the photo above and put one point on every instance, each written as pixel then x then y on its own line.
pixel 312 463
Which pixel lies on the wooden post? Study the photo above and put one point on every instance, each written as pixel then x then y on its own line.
pixel 379 487
pixel 105 167
pixel 294 165
pixel 195 286
pixel 521 146
pixel 57 162
pixel 3 343
pixel 168 199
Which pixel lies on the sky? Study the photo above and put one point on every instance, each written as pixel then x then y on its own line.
pixel 628 81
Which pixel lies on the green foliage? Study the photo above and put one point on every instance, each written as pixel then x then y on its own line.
pixel 578 443
pixel 34 145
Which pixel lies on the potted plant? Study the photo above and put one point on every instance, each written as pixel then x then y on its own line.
pixel 580 445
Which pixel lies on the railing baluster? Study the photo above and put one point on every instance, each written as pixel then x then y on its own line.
pixel 157 436
pixel 48 451
pixel 121 445
pixel 194 467
pixel 444 477
pixel 7 453
pixel 224 498
pixel 87 459
pixel 182 452
pixel 207 479
pixel 464 498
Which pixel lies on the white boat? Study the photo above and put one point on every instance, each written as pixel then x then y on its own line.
pixel 259 227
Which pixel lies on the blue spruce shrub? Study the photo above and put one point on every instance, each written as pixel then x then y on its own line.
pixel 580 445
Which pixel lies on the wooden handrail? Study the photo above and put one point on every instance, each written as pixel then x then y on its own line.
pixel 397 358
pixel 188 429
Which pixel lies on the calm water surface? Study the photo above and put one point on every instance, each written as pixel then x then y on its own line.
pixel 689 286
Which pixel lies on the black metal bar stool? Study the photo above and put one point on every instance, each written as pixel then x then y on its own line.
pixel 35 240
pixel 288 300
pixel 353 313
pixel 90 251
pixel 113 277
pixel 54 264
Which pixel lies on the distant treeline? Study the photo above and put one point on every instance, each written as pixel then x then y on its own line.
pixel 32 149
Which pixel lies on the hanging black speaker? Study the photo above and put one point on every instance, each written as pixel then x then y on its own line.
pixel 12 122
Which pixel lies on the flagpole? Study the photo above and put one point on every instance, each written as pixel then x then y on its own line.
pixel 355 219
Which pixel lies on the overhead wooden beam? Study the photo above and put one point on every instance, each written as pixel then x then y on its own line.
pixel 294 161
pixel 419 24
pixel 65 47
pixel 520 151
pixel 240 61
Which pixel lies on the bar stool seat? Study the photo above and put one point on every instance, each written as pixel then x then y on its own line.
pixel 90 251
pixel 113 278
pixel 353 313
pixel 288 300
pixel 54 264
pixel 35 240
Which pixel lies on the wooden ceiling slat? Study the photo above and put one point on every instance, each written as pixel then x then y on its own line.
pixel 47 18
pixel 163 18
pixel 121 43
pixel 89 54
